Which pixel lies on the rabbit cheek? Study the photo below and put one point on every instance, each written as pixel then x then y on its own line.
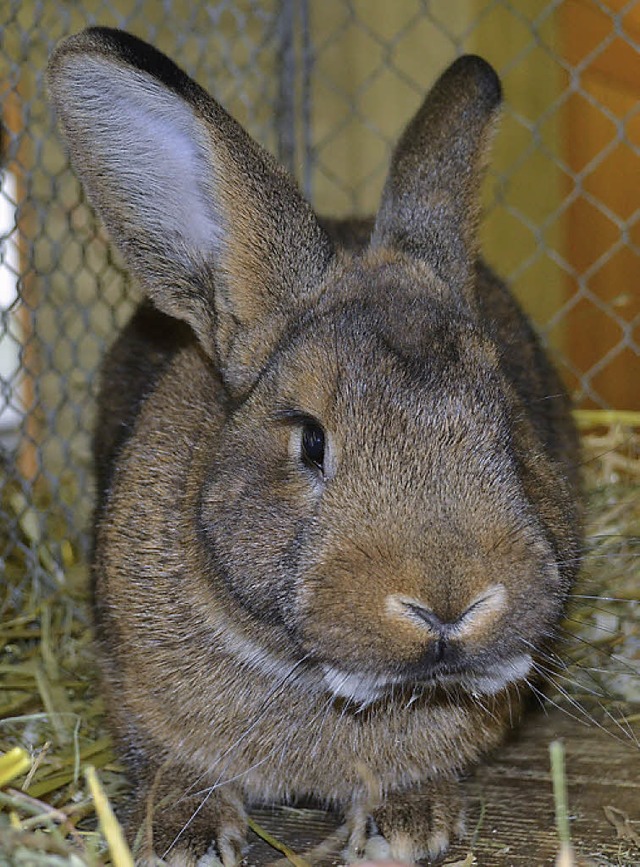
pixel 256 549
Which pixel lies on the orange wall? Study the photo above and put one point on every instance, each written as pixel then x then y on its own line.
pixel 602 135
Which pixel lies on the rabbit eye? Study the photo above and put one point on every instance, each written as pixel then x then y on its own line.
pixel 312 445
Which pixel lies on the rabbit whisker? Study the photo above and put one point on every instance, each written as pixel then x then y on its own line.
pixel 605 599
pixel 586 719
pixel 570 637
pixel 552 675
pixel 597 626
pixel 590 719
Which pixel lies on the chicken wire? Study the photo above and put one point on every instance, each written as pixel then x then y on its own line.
pixel 327 85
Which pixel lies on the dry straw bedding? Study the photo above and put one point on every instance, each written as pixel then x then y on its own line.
pixel 51 709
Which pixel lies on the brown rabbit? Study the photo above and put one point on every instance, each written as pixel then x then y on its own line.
pixel 337 499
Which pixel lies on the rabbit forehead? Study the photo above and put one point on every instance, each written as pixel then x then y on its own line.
pixel 383 303
pixel 415 355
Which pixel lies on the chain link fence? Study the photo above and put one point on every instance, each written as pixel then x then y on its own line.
pixel 327 85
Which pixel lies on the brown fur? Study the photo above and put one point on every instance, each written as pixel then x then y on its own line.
pixel 269 630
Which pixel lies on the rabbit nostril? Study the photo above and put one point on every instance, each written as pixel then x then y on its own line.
pixel 440 648
pixel 426 614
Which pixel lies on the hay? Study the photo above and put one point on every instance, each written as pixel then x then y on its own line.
pixel 566 857
pixel 49 705
pixel 50 709
pixel 604 617
pixel 278 845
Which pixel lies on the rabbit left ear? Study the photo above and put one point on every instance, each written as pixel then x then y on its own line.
pixel 431 201
pixel 215 231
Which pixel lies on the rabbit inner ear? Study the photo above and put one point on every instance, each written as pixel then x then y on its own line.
pixel 141 153
pixel 161 157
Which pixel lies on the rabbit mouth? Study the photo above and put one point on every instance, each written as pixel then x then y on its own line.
pixel 364 689
pixel 360 688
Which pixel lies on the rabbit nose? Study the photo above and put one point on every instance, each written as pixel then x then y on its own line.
pixel 441 649
pixel 420 613
pixel 441 630
pixel 476 618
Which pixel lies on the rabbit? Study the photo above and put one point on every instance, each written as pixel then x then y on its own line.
pixel 338 511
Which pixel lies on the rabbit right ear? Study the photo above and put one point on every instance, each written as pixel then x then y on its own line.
pixel 215 231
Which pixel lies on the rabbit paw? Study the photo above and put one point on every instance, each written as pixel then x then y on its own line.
pixel 195 831
pixel 418 824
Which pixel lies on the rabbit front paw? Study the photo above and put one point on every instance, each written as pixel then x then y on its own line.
pixel 418 824
pixel 201 830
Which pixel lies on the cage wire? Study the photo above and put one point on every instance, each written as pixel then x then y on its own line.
pixel 326 85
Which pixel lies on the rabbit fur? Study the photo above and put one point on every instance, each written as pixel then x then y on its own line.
pixel 338 508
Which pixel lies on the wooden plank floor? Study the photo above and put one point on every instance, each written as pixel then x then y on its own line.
pixel 510 802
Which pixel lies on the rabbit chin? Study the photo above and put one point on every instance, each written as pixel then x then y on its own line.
pixel 366 688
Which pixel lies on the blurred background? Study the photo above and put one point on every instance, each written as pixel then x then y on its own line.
pixel 326 85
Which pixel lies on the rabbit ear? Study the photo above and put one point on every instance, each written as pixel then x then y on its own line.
pixel 431 201
pixel 215 231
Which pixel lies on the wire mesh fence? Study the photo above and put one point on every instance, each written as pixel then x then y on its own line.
pixel 327 85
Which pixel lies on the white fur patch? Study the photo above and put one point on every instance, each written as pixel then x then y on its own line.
pixel 366 688
pixel 361 688
pixel 377 848
pixel 148 143
pixel 210 858
pixel 498 676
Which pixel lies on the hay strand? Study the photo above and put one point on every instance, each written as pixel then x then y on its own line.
pixel 278 845
pixel 13 764
pixel 109 825
pixel 586 418
pixel 565 857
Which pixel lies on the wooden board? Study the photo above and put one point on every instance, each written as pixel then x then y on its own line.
pixel 510 801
